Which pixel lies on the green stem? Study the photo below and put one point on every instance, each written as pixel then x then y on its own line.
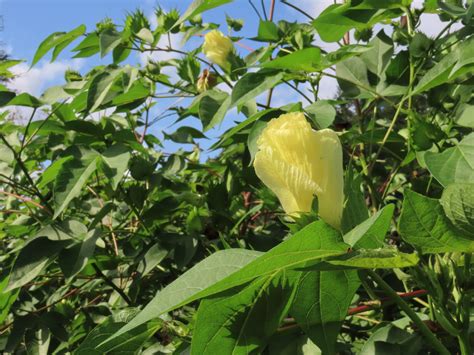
pixel 464 343
pixel 430 337
pixel 464 337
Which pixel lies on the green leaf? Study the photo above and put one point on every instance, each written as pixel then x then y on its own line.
pixel 253 84
pixel 322 113
pixel 378 57
pixel 458 204
pixel 199 6
pixel 252 139
pixel 241 126
pixel 72 178
pixel 152 258
pixel 49 175
pixel 448 68
pixel 185 134
pixel 382 258
pixel 267 32
pixel 65 230
pixel 7 64
pixel 343 53
pixel 88 46
pixel 322 316
pixel 465 116
pixel 59 40
pixel 6 299
pixel 25 99
pixel 138 92
pixel 424 225
pixel 453 165
pixel 212 108
pixel 116 159
pixel 338 19
pixel 352 76
pixel 204 274
pixel 305 248
pixel 308 60
pixel 108 40
pixel 100 88
pixel 371 233
pixel 392 340
pixel 6 97
pixel 146 35
pixel 37 340
pixel 74 258
pixel 128 343
pixel 355 209
pixel 240 321
pixel 33 258
pixel 321 303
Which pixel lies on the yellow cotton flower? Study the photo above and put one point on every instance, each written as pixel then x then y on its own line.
pixel 297 163
pixel 217 48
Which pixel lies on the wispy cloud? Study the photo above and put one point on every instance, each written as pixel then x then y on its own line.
pixel 35 80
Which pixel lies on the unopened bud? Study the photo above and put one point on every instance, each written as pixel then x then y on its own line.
pixel 206 81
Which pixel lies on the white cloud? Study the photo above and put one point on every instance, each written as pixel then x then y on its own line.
pixel 35 80
pixel 174 40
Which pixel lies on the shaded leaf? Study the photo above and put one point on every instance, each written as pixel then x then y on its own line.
pixel 453 165
pixel 424 225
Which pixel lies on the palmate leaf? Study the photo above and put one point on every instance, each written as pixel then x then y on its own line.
pixel 308 59
pixel 458 204
pixel 185 289
pixel 323 297
pixel 338 19
pixel 454 165
pixel 321 303
pixel 57 40
pixel 72 177
pixel 242 319
pixel 253 84
pixel 199 6
pixel 33 258
pixel 307 247
pixel 424 225
pixel 124 344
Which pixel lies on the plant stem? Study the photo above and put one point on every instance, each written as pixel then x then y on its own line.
pixel 429 336
pixel 464 336
pixel 111 284
pixel 464 343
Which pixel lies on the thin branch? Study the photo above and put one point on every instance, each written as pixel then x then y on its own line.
pixel 262 4
pixel 255 9
pixel 272 10
pixel 298 9
pixel 298 91
pixel 112 284
pixel 142 138
pixel 25 199
pixel 27 127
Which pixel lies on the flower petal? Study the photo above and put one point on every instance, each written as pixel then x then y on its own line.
pixel 297 163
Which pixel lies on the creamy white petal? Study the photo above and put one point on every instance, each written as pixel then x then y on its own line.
pixel 297 163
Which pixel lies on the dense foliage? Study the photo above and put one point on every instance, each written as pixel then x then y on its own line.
pixel 112 244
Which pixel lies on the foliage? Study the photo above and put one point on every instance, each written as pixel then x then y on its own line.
pixel 111 244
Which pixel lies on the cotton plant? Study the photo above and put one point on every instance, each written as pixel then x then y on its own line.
pixel 314 222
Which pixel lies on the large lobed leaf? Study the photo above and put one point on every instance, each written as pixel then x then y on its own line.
pixel 424 225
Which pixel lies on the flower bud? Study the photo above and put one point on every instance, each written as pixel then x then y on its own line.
pixel 206 81
pixel 297 163
pixel 217 48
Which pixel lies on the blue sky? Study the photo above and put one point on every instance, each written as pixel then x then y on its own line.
pixel 28 22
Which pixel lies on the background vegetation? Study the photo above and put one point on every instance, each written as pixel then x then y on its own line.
pixel 111 245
